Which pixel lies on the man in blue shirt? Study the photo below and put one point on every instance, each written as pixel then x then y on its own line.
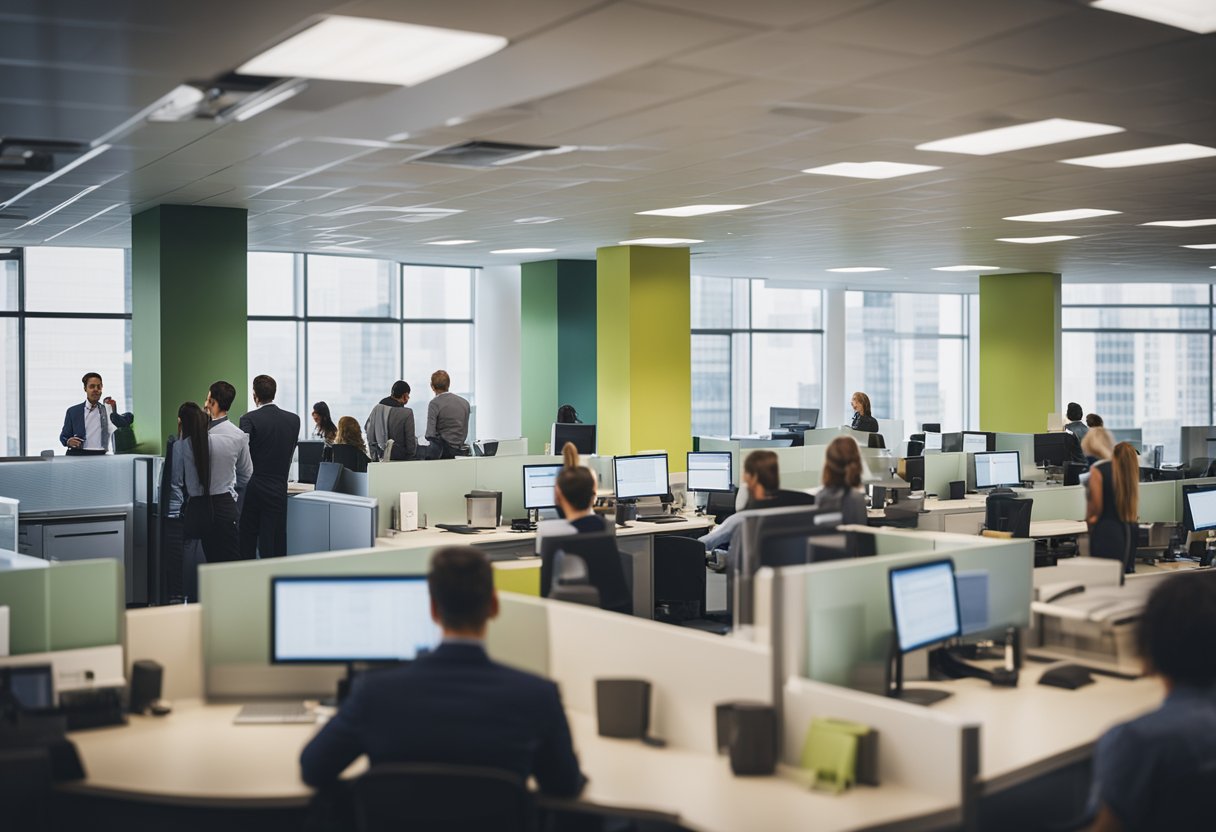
pixel 1158 772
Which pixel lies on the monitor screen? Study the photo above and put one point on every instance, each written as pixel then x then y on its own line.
pixel 975 443
pixel 341 619
pixel 1051 448
pixel 640 476
pixel 778 416
pixel 583 437
pixel 709 471
pixel 32 686
pixel 540 482
pixel 993 470
pixel 1201 503
pixel 924 604
pixel 933 441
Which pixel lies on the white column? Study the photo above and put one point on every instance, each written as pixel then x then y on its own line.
pixel 835 396
pixel 496 353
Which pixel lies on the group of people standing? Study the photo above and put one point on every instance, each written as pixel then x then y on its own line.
pixel 1112 505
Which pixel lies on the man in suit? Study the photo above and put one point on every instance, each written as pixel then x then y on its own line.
pixel 454 705
pixel 88 427
pixel 391 419
pixel 273 434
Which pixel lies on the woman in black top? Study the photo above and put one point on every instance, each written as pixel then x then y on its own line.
pixel 349 447
pixel 842 480
pixel 325 427
pixel 862 419
pixel 1113 506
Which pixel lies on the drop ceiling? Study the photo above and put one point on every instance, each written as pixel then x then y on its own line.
pixel 664 103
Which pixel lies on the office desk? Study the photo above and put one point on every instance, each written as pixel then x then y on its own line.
pixel 1034 729
pixel 1058 528
pixel 196 757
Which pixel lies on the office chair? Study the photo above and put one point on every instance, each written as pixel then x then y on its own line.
pixel 916 447
pixel 26 787
pixel 605 567
pixel 434 797
pixel 1007 513
pixel 876 441
pixel 1198 467
pixel 721 504
pixel 308 459
pixel 571 583
pixel 349 457
pixel 789 498
pixel 679 584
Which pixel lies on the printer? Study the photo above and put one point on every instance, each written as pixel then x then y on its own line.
pixel 1095 625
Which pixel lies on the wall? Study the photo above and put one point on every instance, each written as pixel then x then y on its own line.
pixel 497 353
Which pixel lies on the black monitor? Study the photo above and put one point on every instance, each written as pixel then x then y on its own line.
pixel 914 472
pixel 779 417
pixel 643 475
pixel 604 564
pixel 1002 469
pixel 308 459
pixel 924 612
pixel 540 486
pixel 710 471
pixel 31 687
pixel 583 437
pixel 343 619
pixel 1199 507
pixel 931 427
pixel 1051 449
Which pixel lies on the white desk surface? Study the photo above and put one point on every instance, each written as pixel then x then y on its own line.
pixel 1058 528
pixel 503 534
pixel 1033 729
pixel 195 756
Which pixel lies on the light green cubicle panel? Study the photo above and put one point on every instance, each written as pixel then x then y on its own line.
pixel 1159 502
pixel 507 475
pixel 822 436
pixel 1023 443
pixel 894 542
pixel 847 608
pixel 86 604
pixel 1065 502
pixel 519 636
pixel 718 443
pixel 441 485
pixel 943 469
pixel 25 590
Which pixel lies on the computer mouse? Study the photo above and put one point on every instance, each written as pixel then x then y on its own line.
pixel 1068 676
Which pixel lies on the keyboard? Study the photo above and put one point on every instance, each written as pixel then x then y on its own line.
pixel 457 528
pixel 274 713
pixel 660 518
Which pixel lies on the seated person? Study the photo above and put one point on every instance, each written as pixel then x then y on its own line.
pixel 1158 772
pixel 575 494
pixel 863 419
pixel 842 480
pixel 763 483
pixel 455 705
pixel 350 435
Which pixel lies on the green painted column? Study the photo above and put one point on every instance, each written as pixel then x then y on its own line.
pixel 644 361
pixel 557 344
pixel 1019 351
pixel 189 309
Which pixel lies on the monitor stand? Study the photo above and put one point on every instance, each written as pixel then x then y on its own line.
pixel 895 682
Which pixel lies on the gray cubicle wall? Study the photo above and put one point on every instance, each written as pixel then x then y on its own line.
pixel 61 606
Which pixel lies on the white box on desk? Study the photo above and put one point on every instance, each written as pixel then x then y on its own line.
pixel 407 511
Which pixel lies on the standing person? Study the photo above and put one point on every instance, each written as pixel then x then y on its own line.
pixel 1075 426
pixel 1113 505
pixel 391 419
pixel 273 434
pixel 1093 420
pixel 220 397
pixel 862 418
pixel 447 420
pixel 88 427
pixel 1098 445
pixel 208 468
pixel 325 428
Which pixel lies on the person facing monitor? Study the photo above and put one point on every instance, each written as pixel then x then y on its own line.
pixel 762 481
pixel 574 495
pixel 842 480
pixel 454 705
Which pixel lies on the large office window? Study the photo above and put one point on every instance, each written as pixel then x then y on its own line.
pixel 63 312
pixel 1140 356
pixel 754 346
pixel 343 329
pixel 910 354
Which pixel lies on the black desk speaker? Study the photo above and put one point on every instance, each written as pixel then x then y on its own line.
pixel 622 708
pixel 146 679
pixel 748 732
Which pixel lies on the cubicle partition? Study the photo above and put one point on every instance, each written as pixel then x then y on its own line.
pixel 61 606
pixel 943 469
pixel 1023 443
pixel 1066 502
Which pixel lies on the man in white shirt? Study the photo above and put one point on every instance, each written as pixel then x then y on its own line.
pixel 88 427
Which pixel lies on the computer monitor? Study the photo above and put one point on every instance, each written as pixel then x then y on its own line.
pixel 710 471
pixel 1001 469
pixel 644 475
pixel 782 416
pixel 924 604
pixel 1051 449
pixel 974 443
pixel 931 427
pixel 583 437
pixel 308 457
pixel 933 442
pixel 1199 507
pixel 343 619
pixel 540 483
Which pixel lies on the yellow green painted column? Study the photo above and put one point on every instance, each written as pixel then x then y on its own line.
pixel 644 354
pixel 1019 351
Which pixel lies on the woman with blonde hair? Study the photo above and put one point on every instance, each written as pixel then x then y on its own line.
pixel 1098 444
pixel 349 447
pixel 1113 506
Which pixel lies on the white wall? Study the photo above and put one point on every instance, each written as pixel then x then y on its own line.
pixel 496 353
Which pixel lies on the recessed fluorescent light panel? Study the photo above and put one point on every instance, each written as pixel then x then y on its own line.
pixel 691 210
pixel 661 241
pixel 858 269
pixel 1202 246
pixel 1058 238
pixel 451 242
pixel 342 48
pixel 1021 136
pixel 1145 156
pixel 1181 223
pixel 60 206
pixel 68 168
pixel 966 268
pixel 523 251
pixel 1192 15
pixel 1063 216
pixel 871 170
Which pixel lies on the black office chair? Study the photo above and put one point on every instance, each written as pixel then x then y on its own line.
pixel 1198 467
pixel 433 797
pixel 721 504
pixel 788 498
pixel 348 456
pixel 308 459
pixel 1073 472
pixel 572 584
pixel 916 447
pixel 605 567
pixel 1008 513
pixel 876 441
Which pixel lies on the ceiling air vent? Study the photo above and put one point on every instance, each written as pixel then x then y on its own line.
pixel 478 154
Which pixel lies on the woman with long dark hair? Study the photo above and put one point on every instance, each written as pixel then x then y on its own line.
pixel 325 427
pixel 1114 506
pixel 208 467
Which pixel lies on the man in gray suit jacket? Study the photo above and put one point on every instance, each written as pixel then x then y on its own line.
pixel 447 420
pixel 391 419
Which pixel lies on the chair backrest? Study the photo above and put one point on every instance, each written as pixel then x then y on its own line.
pixel 788 498
pixel 721 504
pixel 429 797
pixel 604 568
pixel 876 441
pixel 679 574
pixel 1198 466
pixel 1006 513
pixel 350 457
pixel 308 459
